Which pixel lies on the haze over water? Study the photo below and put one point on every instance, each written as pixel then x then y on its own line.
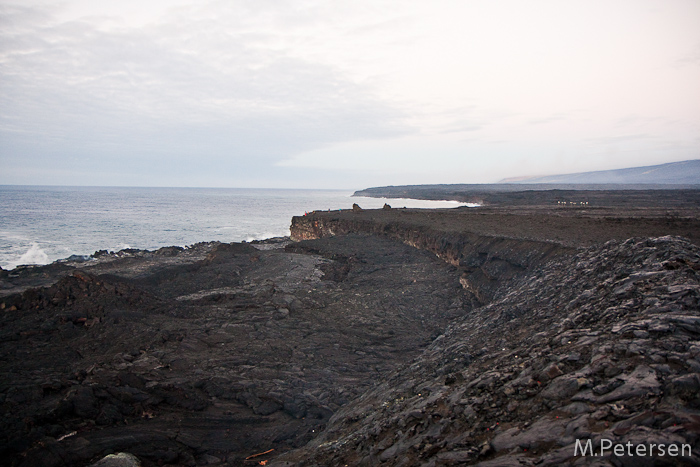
pixel 39 225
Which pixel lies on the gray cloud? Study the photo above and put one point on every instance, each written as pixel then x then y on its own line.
pixel 205 88
pixel 238 92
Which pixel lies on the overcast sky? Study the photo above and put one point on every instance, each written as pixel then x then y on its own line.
pixel 342 94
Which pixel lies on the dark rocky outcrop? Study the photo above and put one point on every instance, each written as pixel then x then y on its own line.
pixel 602 345
pixel 122 459
pixel 490 246
pixel 209 354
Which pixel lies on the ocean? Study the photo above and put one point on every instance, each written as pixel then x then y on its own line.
pixel 41 224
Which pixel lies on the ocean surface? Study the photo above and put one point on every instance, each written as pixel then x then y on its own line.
pixel 39 225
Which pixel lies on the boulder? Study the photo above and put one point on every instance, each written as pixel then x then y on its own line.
pixel 121 459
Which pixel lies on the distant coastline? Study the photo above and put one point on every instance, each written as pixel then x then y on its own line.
pixel 683 175
pixel 544 194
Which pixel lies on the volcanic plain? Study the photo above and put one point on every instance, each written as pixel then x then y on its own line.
pixel 496 335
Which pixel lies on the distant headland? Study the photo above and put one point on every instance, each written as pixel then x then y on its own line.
pixel 671 183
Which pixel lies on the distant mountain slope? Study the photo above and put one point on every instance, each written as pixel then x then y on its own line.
pixel 686 172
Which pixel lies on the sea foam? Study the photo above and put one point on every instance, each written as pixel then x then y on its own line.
pixel 34 255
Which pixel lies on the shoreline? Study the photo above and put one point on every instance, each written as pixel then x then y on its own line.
pixel 393 322
pixel 43 225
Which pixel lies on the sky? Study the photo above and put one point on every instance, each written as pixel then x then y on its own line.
pixel 335 94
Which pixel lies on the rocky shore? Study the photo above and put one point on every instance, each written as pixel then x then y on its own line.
pixel 491 336
pixel 210 354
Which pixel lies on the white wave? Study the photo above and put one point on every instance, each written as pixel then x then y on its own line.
pixel 35 255
pixel 411 203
